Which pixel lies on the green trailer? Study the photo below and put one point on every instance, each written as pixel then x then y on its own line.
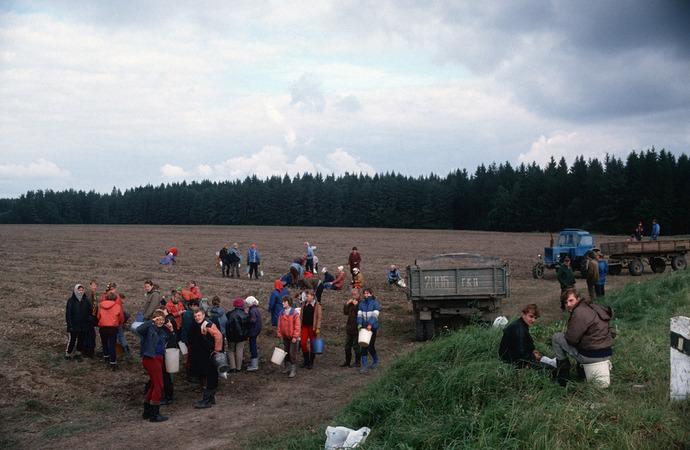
pixel 632 255
pixel 456 286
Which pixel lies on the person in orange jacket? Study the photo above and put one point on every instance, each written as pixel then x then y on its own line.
pixel 289 328
pixel 175 307
pixel 111 316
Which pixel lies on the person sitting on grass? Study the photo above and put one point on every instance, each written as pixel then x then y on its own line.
pixel 588 337
pixel 517 346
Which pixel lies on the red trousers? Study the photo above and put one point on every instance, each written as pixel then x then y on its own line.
pixel 154 367
pixel 307 333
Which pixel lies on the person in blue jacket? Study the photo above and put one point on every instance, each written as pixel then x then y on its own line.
pixel 656 230
pixel 253 259
pixel 275 302
pixel 368 317
pixel 603 270
pixel 153 343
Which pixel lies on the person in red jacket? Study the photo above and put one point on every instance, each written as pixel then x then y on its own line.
pixel 175 307
pixel 354 260
pixel 289 329
pixel 111 316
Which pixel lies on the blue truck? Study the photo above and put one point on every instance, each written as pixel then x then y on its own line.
pixel 572 242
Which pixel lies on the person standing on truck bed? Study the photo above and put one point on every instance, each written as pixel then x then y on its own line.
pixel 656 230
pixel 639 231
pixel 354 260
pixel 566 278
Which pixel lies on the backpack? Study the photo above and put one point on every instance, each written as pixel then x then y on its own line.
pixel 237 328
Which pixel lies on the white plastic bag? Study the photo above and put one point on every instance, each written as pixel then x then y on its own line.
pixel 342 437
pixel 500 322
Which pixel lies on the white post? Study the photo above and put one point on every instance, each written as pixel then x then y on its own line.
pixel 680 358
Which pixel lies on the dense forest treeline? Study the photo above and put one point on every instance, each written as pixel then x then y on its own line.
pixel 607 196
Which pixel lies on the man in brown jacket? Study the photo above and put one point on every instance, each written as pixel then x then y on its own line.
pixel 351 333
pixel 592 275
pixel 588 337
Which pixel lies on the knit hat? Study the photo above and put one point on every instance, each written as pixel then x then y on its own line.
pixel 340 268
pixel 251 301
pixel 278 285
pixel 324 270
pixel 355 270
pixel 238 302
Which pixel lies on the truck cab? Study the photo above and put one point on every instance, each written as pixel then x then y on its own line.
pixel 571 242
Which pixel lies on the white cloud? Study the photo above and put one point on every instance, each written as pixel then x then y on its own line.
pixel 39 169
pixel 271 161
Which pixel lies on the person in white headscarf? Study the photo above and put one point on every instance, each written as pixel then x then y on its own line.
pixel 77 316
pixel 252 304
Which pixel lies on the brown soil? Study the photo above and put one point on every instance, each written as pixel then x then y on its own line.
pixel 50 402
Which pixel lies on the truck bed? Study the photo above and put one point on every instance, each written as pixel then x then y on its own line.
pixel 623 248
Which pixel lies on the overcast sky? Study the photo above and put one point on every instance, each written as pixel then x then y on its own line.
pixel 118 93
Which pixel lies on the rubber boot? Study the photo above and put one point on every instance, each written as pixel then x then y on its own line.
pixel 156 414
pixel 348 359
pixel 205 401
pixel 305 363
pixel 581 376
pixel 286 366
pixel 358 359
pixel 562 371
pixel 253 365
pixel 375 362
pixel 147 411
pixel 365 361
pixel 213 396
pixel 293 371
pixel 312 357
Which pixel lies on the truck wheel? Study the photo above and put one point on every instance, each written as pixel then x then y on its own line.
pixel 615 269
pixel 418 330
pixel 429 330
pixel 658 265
pixel 635 267
pixel 538 271
pixel 679 263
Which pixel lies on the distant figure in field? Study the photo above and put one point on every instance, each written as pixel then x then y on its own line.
pixel 639 231
pixel 309 265
pixel 588 337
pixel 253 259
pixel 393 275
pixel 592 275
pixel 90 336
pixel 78 318
pixel 566 277
pixel 175 307
pixel 357 278
pixel 351 309
pixel 354 260
pixel 224 256
pixel 517 346
pixel 275 302
pixel 152 299
pixel 656 230
pixel 235 257
pixel 603 270
pixel 170 256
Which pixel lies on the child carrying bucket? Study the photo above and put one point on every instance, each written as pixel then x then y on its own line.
pixel 289 328
pixel 368 318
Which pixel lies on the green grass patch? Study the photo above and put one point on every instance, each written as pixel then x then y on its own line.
pixel 454 393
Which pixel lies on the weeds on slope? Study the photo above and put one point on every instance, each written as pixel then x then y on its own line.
pixel 454 393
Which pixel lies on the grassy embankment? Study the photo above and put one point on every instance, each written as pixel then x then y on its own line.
pixel 454 393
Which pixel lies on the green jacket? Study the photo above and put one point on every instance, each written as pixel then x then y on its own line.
pixel 565 276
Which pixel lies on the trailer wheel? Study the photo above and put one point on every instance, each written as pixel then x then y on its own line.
pixel 635 267
pixel 615 269
pixel 679 263
pixel 418 330
pixel 658 264
pixel 538 271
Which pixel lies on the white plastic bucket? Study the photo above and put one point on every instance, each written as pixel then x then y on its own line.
pixel 172 360
pixel 364 337
pixel 278 356
pixel 183 347
pixel 599 373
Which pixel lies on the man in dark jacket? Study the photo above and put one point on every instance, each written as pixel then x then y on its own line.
pixel 237 332
pixel 351 333
pixel 224 256
pixel 566 277
pixel 78 318
pixel 592 275
pixel 517 346
pixel 588 337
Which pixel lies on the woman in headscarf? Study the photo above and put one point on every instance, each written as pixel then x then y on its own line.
pixel 254 330
pixel 78 318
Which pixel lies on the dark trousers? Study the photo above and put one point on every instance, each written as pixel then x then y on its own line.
pixel 309 265
pixel 371 349
pixel 225 270
pixel 253 349
pixel 212 376
pixel 319 291
pixel 89 341
pixel 254 269
pixel 591 290
pixel 599 289
pixel 76 338
pixel 154 367
pixel 108 340
pixel 351 344
pixel 235 270
pixel 291 349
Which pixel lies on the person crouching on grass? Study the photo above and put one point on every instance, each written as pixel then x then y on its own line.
pixel 289 328
pixel 310 319
pixel 517 346
pixel 153 343
pixel 205 340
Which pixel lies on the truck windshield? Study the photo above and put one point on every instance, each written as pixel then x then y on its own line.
pixel 568 240
pixel 586 241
